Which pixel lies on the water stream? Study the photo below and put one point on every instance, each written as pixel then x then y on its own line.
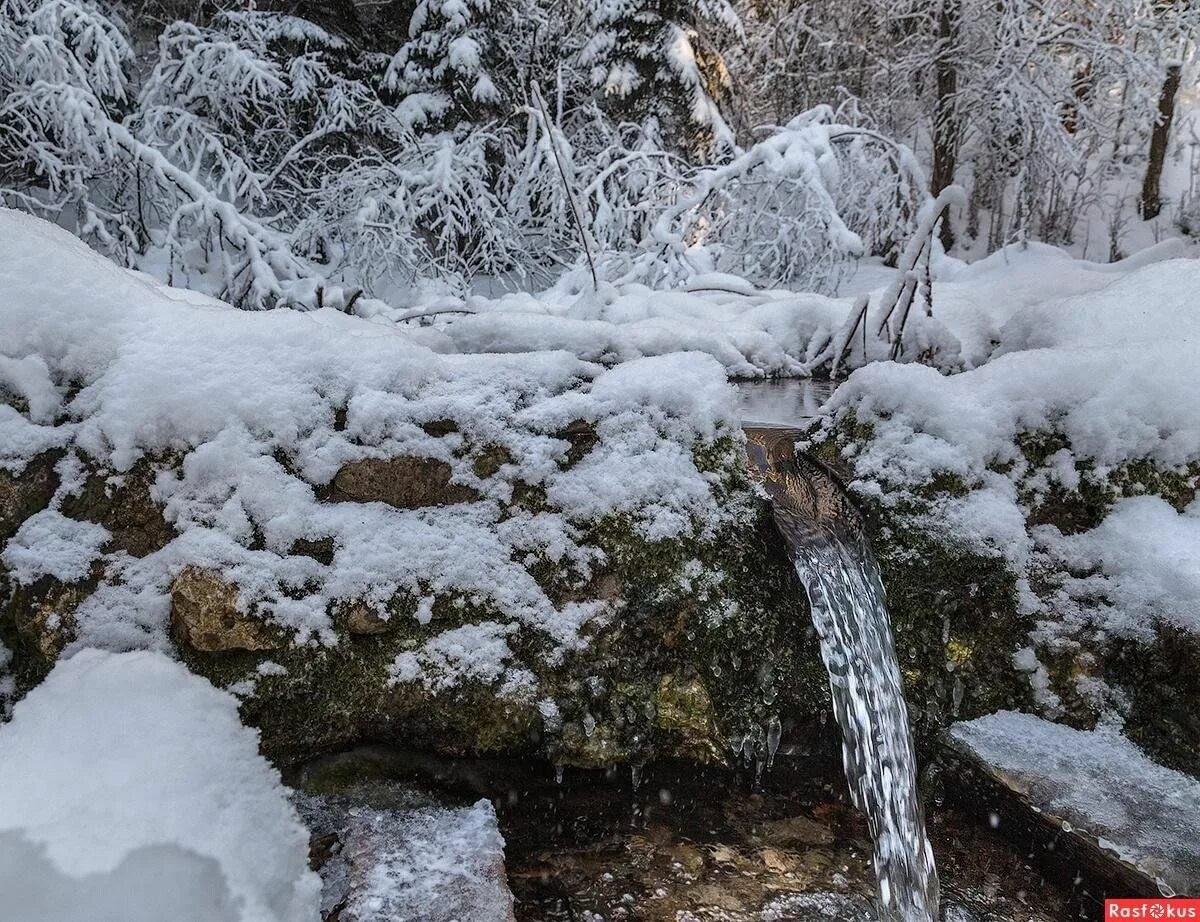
pixel 834 561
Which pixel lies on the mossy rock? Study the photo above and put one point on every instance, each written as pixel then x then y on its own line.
pixel 958 623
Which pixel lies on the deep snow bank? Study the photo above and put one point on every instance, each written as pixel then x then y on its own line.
pixel 130 789
pixel 753 332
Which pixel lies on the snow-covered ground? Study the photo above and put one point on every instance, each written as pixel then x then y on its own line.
pixel 755 333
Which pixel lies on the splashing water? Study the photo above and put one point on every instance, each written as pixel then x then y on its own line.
pixel 877 748
pixel 835 564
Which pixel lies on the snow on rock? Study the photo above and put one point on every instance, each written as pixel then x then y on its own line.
pixel 1102 786
pixel 130 789
pixel 1145 561
pixel 50 544
pixel 257 413
pixel 400 854
pixel 1109 371
pixel 1107 376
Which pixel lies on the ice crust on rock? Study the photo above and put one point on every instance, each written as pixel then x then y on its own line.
pixel 1100 783
pixel 403 855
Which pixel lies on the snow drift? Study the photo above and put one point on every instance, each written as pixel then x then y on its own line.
pixel 130 789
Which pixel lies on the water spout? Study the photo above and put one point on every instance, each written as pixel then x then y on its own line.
pixel 832 556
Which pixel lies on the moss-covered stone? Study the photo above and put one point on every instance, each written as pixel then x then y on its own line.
pixel 24 492
pixel 700 639
pixel 958 623
pixel 683 709
pixel 123 504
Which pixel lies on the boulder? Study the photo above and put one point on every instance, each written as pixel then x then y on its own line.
pixel 985 623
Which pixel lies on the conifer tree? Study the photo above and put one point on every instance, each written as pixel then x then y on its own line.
pixel 660 60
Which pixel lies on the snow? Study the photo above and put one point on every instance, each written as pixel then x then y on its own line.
pixel 479 652
pixel 1102 785
pixel 50 544
pixel 129 788
pixel 1108 369
pixel 1147 561
pixel 250 404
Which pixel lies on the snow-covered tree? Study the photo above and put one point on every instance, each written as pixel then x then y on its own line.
pixel 64 72
pixel 662 60
pixel 452 68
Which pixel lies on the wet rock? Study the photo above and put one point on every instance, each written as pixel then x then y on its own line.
pixel 205 616
pixel 26 492
pixel 363 619
pixel 440 427
pixel 319 549
pixel 685 710
pixel 1089 801
pixel 582 437
pixel 47 625
pixel 403 482
pixel 794 830
pixel 389 852
pixel 489 461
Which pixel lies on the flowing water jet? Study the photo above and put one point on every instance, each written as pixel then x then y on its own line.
pixel 833 558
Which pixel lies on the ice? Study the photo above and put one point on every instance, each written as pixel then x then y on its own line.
pixel 403 855
pixel 1102 785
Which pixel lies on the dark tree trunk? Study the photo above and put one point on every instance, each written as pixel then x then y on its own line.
pixel 1151 191
pixel 945 121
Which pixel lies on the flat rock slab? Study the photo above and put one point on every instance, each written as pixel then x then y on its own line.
pixel 392 854
pixel 1138 822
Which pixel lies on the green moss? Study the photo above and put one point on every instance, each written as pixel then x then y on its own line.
pixel 954 615
pixel 956 618
pixel 724 613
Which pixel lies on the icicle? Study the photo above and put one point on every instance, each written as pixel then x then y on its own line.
pixel 774 734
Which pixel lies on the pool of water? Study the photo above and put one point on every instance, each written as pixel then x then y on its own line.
pixel 785 403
